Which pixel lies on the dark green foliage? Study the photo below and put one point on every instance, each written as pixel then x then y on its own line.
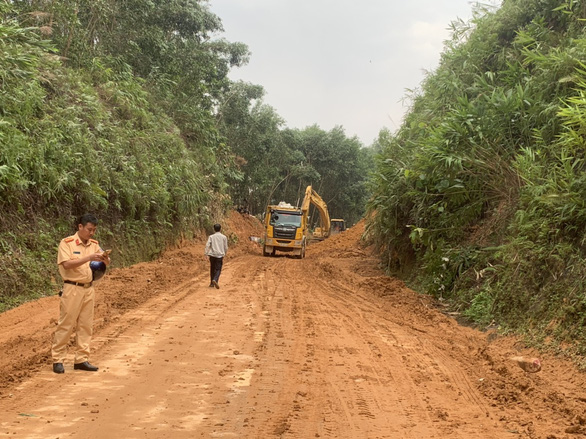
pixel 335 165
pixel 482 189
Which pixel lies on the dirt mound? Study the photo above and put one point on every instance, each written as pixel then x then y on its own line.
pixel 350 239
pixel 239 229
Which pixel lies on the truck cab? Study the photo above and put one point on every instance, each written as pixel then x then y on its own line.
pixel 285 230
pixel 286 227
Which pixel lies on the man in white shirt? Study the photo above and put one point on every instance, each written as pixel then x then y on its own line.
pixel 215 250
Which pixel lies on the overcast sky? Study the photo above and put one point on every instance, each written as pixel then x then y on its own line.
pixel 339 62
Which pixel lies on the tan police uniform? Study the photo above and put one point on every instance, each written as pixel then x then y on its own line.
pixel 76 309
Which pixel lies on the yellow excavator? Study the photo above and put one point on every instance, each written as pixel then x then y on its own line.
pixel 286 226
pixel 311 197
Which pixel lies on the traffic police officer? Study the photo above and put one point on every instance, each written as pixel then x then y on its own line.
pixel 76 309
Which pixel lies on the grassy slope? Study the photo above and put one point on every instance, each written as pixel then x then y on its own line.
pixel 483 186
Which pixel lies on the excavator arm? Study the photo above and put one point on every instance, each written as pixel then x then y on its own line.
pixel 311 197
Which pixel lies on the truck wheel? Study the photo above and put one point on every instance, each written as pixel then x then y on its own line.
pixel 264 252
pixel 301 254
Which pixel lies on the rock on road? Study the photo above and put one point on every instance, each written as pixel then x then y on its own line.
pixel 325 347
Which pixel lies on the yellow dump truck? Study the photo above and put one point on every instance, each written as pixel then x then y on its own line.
pixel 286 226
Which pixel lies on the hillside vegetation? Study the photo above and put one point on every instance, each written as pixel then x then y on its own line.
pixel 125 110
pixel 480 197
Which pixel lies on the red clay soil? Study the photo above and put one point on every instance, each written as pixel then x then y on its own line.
pixel 327 346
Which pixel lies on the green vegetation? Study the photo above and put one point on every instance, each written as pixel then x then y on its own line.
pixel 124 109
pixel 480 197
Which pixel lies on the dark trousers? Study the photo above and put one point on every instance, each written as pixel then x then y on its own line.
pixel 215 268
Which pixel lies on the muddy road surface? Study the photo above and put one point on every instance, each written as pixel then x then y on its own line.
pixel 325 347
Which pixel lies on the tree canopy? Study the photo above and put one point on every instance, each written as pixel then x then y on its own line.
pixel 276 163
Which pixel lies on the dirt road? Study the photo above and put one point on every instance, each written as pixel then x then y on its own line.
pixel 325 347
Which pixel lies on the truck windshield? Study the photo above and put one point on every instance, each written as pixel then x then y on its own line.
pixel 285 219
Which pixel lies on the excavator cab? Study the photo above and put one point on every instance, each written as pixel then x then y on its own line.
pixel 337 225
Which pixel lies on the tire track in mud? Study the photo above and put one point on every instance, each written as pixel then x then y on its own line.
pixel 290 378
pixel 153 309
pixel 400 365
pixel 323 399
pixel 286 356
pixel 368 388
